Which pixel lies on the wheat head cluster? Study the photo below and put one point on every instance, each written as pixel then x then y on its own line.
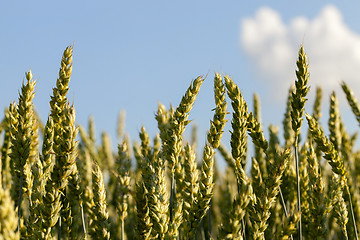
pixel 57 181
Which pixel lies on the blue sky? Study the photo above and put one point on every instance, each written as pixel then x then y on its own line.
pixel 130 55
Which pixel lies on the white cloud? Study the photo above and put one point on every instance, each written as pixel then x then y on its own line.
pixel 333 49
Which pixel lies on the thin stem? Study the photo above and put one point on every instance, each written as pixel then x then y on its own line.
pixel 352 213
pixel 242 220
pixel 122 230
pixel 172 196
pixel 283 202
pixel 209 222
pixel 298 184
pixel 202 231
pixel 243 229
pixel 20 200
pixel 83 219
pixel 59 226
pixel 284 207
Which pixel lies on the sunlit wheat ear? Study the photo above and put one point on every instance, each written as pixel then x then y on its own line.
pixel 227 229
pixel 352 100
pixel 334 122
pixel 301 90
pixel 158 198
pixel 317 104
pixel 122 187
pixel 162 117
pixel 326 147
pixel 75 199
pixel 5 151
pixel 34 228
pixel 333 158
pixel 238 140
pixel 92 129
pixel 259 154
pixel 59 99
pixel 214 137
pixel 47 151
pixel 298 109
pixel 289 226
pixel 172 146
pixel 338 203
pixel 85 166
pixel 261 210
pixel 219 121
pixel 105 152
pixel 316 114
pixel 13 123
pixel 190 192
pixel 99 224
pixel 65 157
pixel 232 226
pixel 143 222
pixel 289 135
pixel 90 146
pixel 21 140
pixel 178 122
pixel 317 198
pixel 153 179
pixel 206 180
pixel 205 192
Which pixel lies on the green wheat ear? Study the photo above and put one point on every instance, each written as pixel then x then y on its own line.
pixel 317 198
pixel 5 151
pixel 297 113
pixel 178 122
pixel 353 102
pixel 99 224
pixel 301 90
pixel 22 137
pixel 64 144
pixel 122 188
pixel 326 147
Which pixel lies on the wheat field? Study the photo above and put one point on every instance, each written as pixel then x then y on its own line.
pixel 58 182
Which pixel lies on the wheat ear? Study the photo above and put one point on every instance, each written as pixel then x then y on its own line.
pixel 5 180
pixel 238 140
pixel 298 109
pixel 64 143
pixel 334 122
pixel 238 143
pixel 353 102
pixel 21 141
pixel 261 210
pixel 330 154
pixel 259 154
pixel 338 203
pixel 122 187
pixel 65 157
pixel 316 197
pixel 99 224
pixel 173 143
